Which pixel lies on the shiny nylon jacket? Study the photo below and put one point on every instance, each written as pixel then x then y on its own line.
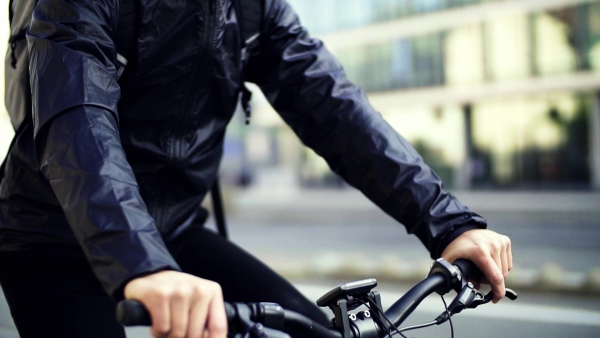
pixel 120 167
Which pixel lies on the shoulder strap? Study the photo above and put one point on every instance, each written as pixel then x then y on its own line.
pixel 217 202
pixel 126 33
pixel 249 13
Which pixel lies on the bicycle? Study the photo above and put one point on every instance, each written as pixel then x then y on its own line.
pixel 272 321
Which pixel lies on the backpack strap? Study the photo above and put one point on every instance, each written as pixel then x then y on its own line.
pixel 217 202
pixel 126 33
pixel 249 13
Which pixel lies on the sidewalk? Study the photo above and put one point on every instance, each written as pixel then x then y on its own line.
pixel 554 234
pixel 322 206
pixel 349 199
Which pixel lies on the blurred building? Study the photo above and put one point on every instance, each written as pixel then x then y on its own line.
pixel 494 94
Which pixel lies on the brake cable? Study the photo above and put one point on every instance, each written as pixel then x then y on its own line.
pixel 391 328
pixel 433 322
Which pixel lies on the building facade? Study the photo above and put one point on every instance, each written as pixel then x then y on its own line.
pixel 494 94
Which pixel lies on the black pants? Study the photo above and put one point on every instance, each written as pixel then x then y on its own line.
pixel 52 291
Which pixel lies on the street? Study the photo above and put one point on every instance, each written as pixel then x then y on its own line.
pixel 320 239
pixel 558 231
pixel 528 316
pixel 532 315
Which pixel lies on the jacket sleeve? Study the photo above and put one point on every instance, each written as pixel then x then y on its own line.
pixel 308 88
pixel 75 95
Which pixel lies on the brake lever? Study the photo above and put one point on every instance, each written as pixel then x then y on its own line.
pixel 260 331
pixel 467 295
pixel 480 299
pixel 469 298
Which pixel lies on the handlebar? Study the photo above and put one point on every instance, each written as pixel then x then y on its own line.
pixel 468 268
pixel 271 320
pixel 404 306
pixel 131 312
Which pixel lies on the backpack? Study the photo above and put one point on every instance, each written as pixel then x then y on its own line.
pixel 250 13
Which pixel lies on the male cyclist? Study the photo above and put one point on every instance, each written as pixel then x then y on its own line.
pixel 102 186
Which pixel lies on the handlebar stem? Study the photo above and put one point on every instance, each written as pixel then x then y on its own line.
pixel 343 305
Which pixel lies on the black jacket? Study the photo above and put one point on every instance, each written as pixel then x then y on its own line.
pixel 121 167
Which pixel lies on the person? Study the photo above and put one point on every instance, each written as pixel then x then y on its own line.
pixel 102 186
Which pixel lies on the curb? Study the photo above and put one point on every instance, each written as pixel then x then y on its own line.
pixel 389 269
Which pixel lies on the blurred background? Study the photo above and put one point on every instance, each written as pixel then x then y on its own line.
pixel 494 94
pixel 501 98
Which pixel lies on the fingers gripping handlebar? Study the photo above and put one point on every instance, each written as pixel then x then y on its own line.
pixel 256 319
pixel 442 277
pixel 131 312
pixel 470 270
pixel 467 295
pixel 271 320
pixel 455 275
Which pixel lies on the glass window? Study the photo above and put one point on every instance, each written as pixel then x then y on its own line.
pixel 406 63
pixel 331 15
pixel 464 56
pixel 554 53
pixel 532 141
pixel 435 132
pixel 594 36
pixel 507 48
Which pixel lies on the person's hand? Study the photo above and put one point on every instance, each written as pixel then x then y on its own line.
pixel 490 251
pixel 181 305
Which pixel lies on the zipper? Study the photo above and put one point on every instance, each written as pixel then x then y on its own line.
pixel 177 147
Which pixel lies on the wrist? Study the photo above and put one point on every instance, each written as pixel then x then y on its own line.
pixel 454 232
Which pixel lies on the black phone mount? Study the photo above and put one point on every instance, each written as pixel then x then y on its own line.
pixel 349 296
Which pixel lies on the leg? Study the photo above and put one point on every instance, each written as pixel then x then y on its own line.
pixel 52 292
pixel 242 277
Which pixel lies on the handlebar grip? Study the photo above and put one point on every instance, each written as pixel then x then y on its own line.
pixel 131 312
pixel 468 268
